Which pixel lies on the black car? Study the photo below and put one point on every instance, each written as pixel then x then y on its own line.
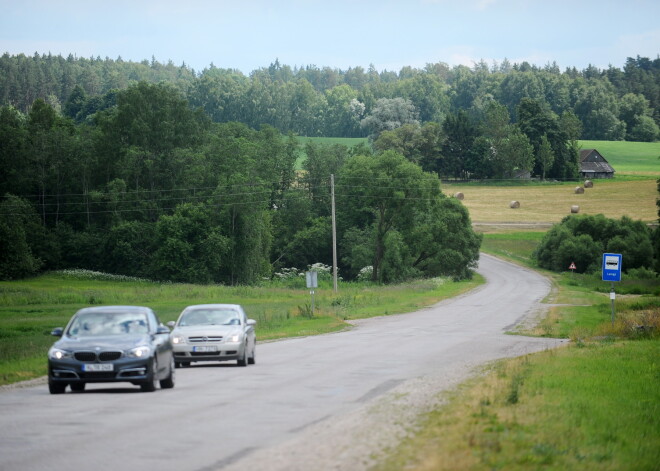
pixel 108 344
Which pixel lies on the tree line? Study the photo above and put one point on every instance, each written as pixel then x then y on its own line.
pixel 610 104
pixel 152 187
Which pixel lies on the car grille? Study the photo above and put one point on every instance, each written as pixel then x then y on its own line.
pixel 109 356
pixel 210 338
pixel 93 356
pixel 85 356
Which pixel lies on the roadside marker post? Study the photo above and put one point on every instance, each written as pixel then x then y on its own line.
pixel 312 282
pixel 612 273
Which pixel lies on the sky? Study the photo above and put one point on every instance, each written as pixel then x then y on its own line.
pixel 388 34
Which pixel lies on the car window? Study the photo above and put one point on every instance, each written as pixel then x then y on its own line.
pixel 210 317
pixel 108 323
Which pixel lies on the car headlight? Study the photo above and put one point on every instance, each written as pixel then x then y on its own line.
pixel 139 352
pixel 178 339
pixel 58 354
pixel 235 338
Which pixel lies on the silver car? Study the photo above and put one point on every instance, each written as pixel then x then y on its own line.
pixel 213 332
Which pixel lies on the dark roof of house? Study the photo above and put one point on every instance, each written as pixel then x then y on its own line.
pixel 592 161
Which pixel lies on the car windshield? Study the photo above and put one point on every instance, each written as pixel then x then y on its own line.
pixel 95 324
pixel 210 317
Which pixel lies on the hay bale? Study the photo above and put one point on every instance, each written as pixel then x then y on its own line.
pixel 588 184
pixel 459 195
pixel 514 204
pixel 579 190
pixel 575 209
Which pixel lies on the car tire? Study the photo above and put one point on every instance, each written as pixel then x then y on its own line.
pixel 253 359
pixel 150 384
pixel 243 361
pixel 168 383
pixel 56 388
pixel 77 387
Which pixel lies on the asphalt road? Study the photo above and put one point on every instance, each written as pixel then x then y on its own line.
pixel 307 401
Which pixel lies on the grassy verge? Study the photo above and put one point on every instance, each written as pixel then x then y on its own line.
pixel 30 309
pixel 593 405
pixel 590 408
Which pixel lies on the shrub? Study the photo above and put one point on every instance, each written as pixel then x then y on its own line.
pixel 583 239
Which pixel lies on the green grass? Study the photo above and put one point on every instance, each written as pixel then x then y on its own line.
pixel 593 405
pixel 30 309
pixel 636 158
pixel 515 246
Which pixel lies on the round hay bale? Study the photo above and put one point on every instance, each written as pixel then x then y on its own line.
pixel 575 209
pixel 514 204
pixel 579 190
pixel 588 184
pixel 459 195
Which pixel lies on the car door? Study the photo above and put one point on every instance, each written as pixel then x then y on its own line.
pixel 162 345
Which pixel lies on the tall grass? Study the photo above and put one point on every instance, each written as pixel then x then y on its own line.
pixel 30 309
pixel 590 408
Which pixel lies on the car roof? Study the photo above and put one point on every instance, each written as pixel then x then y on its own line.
pixel 115 309
pixel 213 306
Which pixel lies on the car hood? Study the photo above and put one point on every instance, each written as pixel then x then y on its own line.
pixel 110 342
pixel 195 330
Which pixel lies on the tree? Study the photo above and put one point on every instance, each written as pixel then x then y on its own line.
pixel 13 139
pixel 340 116
pixel 545 157
pixel 189 246
pixel 515 154
pixel 388 114
pixel 396 213
pixel 18 221
pixel 457 148
pixel 644 130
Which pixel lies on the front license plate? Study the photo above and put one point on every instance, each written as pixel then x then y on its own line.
pixel 98 367
pixel 205 349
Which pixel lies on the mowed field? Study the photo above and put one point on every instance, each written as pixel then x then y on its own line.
pixel 549 203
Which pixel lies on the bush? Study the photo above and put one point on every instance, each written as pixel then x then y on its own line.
pixel 583 239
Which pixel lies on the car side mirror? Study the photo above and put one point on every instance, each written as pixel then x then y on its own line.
pixel 162 330
pixel 251 322
pixel 57 332
pixel 171 324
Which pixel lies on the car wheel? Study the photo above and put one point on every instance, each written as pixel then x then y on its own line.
pixel 185 364
pixel 56 388
pixel 151 384
pixel 253 359
pixel 243 361
pixel 77 387
pixel 168 382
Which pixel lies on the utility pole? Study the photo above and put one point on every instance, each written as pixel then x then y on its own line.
pixel 334 235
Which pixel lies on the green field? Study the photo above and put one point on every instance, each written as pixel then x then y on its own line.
pixel 629 158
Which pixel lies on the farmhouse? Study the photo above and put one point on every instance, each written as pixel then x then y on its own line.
pixel 594 165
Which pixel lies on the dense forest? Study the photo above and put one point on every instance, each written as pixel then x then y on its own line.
pixel 610 104
pixel 161 172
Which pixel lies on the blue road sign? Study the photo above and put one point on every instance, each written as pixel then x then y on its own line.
pixel 611 267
